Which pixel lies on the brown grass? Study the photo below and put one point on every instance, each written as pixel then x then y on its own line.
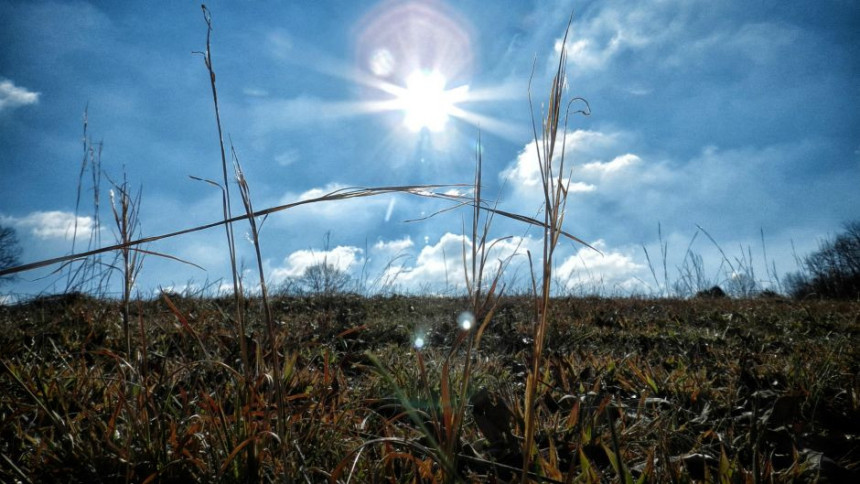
pixel 740 390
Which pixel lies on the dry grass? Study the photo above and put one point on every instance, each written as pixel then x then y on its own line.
pixel 743 391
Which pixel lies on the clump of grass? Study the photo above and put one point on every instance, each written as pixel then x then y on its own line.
pixel 554 184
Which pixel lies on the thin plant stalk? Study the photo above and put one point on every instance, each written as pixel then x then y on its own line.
pixel 251 457
pixel 84 275
pixel 127 223
pixel 226 203
pixel 245 191
pixel 555 190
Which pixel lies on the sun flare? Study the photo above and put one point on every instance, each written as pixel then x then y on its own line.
pixel 425 101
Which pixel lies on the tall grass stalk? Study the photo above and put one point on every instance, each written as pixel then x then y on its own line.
pixel 555 190
pixel 483 304
pixel 83 276
pixel 664 248
pixel 245 191
pixel 251 457
pixel 125 214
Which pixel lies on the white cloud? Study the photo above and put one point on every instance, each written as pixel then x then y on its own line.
pixel 439 267
pixel 672 33
pixel 321 192
pixel 394 246
pixel 12 96
pixel 611 269
pixel 586 54
pixel 619 163
pixel 597 40
pixel 523 176
pixel 53 225
pixel 349 215
pixel 343 258
pixel 525 171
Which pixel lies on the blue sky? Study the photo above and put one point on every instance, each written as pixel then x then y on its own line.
pixel 741 117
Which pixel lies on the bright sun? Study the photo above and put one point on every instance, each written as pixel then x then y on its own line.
pixel 425 101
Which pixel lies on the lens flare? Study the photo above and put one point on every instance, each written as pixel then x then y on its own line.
pixel 466 320
pixel 382 62
pixel 409 54
pixel 418 343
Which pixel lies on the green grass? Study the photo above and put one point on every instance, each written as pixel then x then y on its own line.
pixel 729 390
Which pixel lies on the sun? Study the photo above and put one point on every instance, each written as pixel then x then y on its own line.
pixel 425 101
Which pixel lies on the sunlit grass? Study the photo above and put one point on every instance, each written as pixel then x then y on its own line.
pixel 481 387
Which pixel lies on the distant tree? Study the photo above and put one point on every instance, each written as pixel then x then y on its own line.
pixel 10 250
pixel 833 271
pixel 715 292
pixel 325 278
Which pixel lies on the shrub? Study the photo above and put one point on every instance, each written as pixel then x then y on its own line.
pixel 325 278
pixel 715 292
pixel 832 272
pixel 10 250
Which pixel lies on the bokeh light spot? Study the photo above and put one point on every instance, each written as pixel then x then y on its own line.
pixel 466 320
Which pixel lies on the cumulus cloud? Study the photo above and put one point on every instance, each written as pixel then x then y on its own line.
pixel 12 96
pixel 343 258
pixel 674 34
pixel 523 175
pixel 439 267
pixel 53 225
pixel 394 246
pixel 525 169
pixel 610 269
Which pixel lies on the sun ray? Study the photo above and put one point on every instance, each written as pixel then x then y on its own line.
pixel 507 130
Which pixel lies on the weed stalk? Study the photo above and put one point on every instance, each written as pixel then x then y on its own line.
pixel 245 191
pixel 125 214
pixel 238 295
pixel 555 190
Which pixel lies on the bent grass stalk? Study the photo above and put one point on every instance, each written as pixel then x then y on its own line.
pixel 245 191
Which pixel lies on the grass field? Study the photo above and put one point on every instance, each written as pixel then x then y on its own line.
pixel 717 390
pixel 487 387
